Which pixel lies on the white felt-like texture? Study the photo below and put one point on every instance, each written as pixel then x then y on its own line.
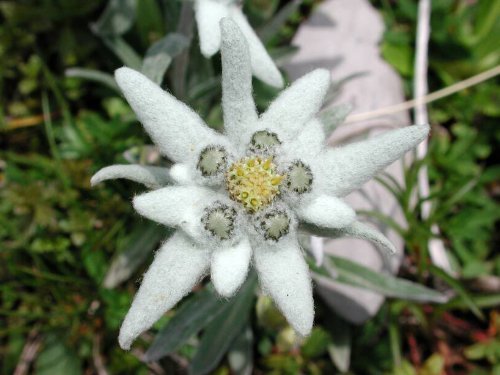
pixel 208 14
pixel 284 276
pixel 229 267
pixel 178 265
pixel 240 114
pixel 297 104
pixel 181 173
pixel 309 142
pixel 152 177
pixel 178 132
pixel 344 169
pixel 357 230
pixel 177 206
pixel 263 66
pixel 327 212
pixel 367 233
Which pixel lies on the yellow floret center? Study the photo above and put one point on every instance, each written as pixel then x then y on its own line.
pixel 254 182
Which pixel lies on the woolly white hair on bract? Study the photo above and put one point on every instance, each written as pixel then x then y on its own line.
pixel 208 14
pixel 219 229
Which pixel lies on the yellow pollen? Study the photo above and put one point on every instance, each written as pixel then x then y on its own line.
pixel 254 182
pixel 276 180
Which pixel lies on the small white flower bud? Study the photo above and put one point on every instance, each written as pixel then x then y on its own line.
pixel 299 177
pixel 219 220
pixel 212 161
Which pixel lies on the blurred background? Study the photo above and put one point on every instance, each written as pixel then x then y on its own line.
pixel 71 257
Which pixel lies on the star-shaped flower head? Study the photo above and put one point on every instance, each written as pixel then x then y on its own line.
pixel 208 14
pixel 238 198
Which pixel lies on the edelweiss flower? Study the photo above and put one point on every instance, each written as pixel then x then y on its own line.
pixel 208 15
pixel 238 198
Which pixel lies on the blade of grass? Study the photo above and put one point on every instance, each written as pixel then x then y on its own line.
pixel 455 284
pixel 49 131
pixel 123 51
pixel 94 75
pixel 352 273
pixel 116 19
pixel 223 330
pixel 191 318
pixel 140 246
pixel 271 29
pixel 160 55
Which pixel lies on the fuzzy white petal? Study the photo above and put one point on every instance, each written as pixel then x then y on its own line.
pixel 284 275
pixel 181 173
pixel 175 128
pixel 356 230
pixel 230 267
pixel 297 104
pixel 346 168
pixel 208 14
pixel 178 265
pixel 327 212
pixel 309 142
pixel 263 66
pixel 178 207
pixel 365 232
pixel 240 114
pixel 152 177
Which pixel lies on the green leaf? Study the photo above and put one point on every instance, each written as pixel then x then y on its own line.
pixel 191 317
pixel 434 365
pixel 455 284
pixel 340 348
pixel 123 51
pixel 160 55
pixel 116 304
pixel 141 244
pixel 240 357
pixel 222 331
pixel 354 274
pixel 117 18
pixel 149 21
pixel 56 359
pixel 482 301
pixel 272 28
pixel 93 75
pixel 316 344
pixel 476 351
pixel 399 56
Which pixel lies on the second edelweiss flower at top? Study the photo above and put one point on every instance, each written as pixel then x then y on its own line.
pixel 208 14
pixel 238 198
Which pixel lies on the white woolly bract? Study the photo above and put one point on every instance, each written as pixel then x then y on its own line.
pixel 344 169
pixel 238 107
pixel 208 14
pixel 175 128
pixel 309 142
pixel 178 266
pixel 367 233
pixel 152 177
pixel 263 66
pixel 296 105
pixel 182 174
pixel 229 267
pixel 284 276
pixel 326 211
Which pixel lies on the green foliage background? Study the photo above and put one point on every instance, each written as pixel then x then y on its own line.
pixel 58 237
